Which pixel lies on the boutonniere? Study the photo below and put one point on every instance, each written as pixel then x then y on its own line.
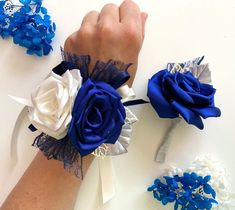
pixel 182 90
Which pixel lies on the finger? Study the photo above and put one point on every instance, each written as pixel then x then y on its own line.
pixel 130 12
pixel 109 12
pixel 144 17
pixel 90 18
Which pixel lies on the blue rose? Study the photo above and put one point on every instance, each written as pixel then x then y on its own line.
pixel 97 117
pixel 177 93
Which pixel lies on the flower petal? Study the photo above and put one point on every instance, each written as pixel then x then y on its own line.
pixel 207 112
pixel 176 92
pixel 189 116
pixel 157 99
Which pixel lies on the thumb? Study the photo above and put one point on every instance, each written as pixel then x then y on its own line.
pixel 144 17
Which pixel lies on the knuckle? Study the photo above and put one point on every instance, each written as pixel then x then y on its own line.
pixel 91 13
pixel 132 31
pixel 68 43
pixel 104 30
pixel 110 5
pixel 85 32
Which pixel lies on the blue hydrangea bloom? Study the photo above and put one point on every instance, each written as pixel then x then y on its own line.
pixel 28 24
pixel 190 191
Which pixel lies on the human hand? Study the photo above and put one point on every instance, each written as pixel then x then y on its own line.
pixel 115 33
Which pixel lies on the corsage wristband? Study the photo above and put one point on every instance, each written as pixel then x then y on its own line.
pixel 182 89
pixel 81 113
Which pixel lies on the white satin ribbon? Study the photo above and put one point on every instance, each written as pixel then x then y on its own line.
pixel 107 178
pixel 14 142
pixel 23 113
pixel 22 101
pixel 126 93
pixel 105 164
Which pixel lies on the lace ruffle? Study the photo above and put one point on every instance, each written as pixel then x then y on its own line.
pixel 112 72
pixel 61 150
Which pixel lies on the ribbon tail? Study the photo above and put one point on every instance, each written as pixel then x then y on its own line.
pixel 23 101
pixel 161 153
pixel 126 93
pixel 107 178
pixel 16 129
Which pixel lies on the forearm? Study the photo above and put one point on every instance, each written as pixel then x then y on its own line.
pixel 116 32
pixel 44 186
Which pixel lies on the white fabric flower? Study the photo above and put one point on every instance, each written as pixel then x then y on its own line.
pixel 52 103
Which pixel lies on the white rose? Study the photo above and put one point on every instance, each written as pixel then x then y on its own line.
pixel 52 103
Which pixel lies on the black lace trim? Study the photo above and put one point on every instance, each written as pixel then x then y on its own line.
pixel 112 72
pixel 61 150
pixel 72 61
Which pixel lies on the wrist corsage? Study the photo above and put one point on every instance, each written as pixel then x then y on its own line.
pixel 182 90
pixel 80 113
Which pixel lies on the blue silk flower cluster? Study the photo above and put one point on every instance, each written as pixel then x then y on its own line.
pixel 28 24
pixel 190 191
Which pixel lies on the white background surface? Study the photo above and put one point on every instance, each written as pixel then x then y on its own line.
pixel 175 31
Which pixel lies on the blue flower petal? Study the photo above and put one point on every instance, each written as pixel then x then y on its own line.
pixel 43 10
pixel 158 101
pixel 207 178
pixel 178 92
pixel 207 189
pixel 37 40
pixel 25 1
pixel 188 115
pixel 176 206
pixel 207 112
pixel 164 201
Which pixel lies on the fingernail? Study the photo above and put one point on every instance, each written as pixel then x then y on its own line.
pixel 145 15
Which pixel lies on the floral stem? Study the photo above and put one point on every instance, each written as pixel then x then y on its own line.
pixel 161 153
